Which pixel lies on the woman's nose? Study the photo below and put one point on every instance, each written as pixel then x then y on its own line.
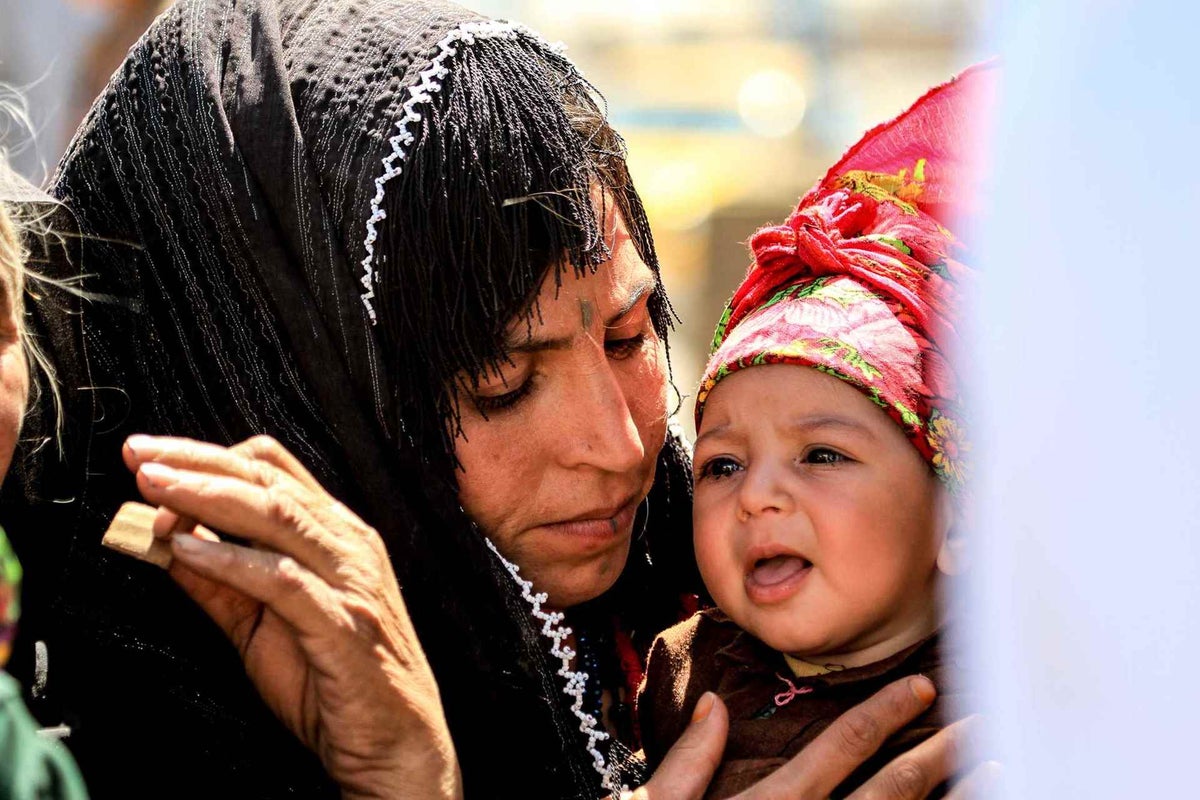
pixel 763 491
pixel 599 427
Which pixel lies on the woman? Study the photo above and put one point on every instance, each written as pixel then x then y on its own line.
pixel 401 240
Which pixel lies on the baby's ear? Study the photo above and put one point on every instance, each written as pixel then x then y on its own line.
pixel 952 555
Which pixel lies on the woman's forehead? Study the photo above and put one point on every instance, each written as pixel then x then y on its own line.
pixel 569 302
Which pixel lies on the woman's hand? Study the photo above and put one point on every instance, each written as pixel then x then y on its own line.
pixel 813 773
pixel 312 606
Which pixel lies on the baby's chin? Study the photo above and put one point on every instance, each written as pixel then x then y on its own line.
pixel 808 644
pixel 808 626
pixel 807 650
pixel 846 646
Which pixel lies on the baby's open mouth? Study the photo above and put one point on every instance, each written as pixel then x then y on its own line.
pixel 776 569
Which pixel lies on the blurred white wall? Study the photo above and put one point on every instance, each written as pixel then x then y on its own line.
pixel 1087 580
pixel 40 46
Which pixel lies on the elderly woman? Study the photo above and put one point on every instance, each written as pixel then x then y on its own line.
pixel 401 240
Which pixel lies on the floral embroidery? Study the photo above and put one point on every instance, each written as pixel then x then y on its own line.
pixel 950 448
pixel 902 189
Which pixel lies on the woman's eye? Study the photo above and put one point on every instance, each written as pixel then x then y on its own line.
pixel 489 404
pixel 719 467
pixel 618 349
pixel 823 455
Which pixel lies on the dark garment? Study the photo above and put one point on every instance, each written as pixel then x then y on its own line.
pixel 31 767
pixel 710 653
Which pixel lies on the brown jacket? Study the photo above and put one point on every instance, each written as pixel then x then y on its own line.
pixel 709 652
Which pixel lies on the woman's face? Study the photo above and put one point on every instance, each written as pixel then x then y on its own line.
pixel 558 450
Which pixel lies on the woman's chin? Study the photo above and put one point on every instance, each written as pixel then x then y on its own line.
pixel 571 586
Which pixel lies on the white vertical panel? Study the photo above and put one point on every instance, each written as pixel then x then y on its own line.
pixel 1087 573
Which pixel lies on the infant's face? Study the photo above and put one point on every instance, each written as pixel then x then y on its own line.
pixel 817 523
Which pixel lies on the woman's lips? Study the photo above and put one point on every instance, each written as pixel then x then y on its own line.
pixel 599 527
pixel 774 579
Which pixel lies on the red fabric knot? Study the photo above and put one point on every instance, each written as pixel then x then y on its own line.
pixel 783 254
pixel 783 698
pixel 821 237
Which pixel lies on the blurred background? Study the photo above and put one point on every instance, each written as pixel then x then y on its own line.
pixel 731 108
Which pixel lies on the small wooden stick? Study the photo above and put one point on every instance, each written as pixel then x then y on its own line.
pixel 131 533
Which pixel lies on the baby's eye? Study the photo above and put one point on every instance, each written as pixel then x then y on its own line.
pixel 719 467
pixel 823 455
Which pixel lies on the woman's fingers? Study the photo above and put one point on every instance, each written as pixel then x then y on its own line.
pixel 189 454
pixel 915 774
pixel 277 516
pixel 255 490
pixel 268 451
pixel 233 611
pixel 275 580
pixel 852 738
pixel 689 765
pixel 260 460
pixel 167 522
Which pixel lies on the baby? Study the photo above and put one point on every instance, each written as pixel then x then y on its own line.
pixel 829 465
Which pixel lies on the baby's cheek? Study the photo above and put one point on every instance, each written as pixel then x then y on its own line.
pixel 866 579
pixel 715 557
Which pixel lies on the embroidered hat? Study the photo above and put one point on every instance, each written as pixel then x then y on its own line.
pixel 861 281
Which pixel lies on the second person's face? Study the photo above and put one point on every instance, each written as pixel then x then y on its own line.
pixel 817 523
pixel 558 449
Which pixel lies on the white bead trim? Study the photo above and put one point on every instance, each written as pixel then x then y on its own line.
pixel 556 632
pixel 429 83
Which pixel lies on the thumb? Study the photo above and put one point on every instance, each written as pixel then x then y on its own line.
pixel 688 767
pixel 235 613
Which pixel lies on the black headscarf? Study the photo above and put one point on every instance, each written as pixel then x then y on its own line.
pixel 222 187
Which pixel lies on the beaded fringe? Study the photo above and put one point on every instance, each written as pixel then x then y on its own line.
pixel 428 85
pixel 556 632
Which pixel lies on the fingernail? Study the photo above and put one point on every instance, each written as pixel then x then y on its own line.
pixel 923 688
pixel 142 446
pixel 187 545
pixel 159 475
pixel 703 706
